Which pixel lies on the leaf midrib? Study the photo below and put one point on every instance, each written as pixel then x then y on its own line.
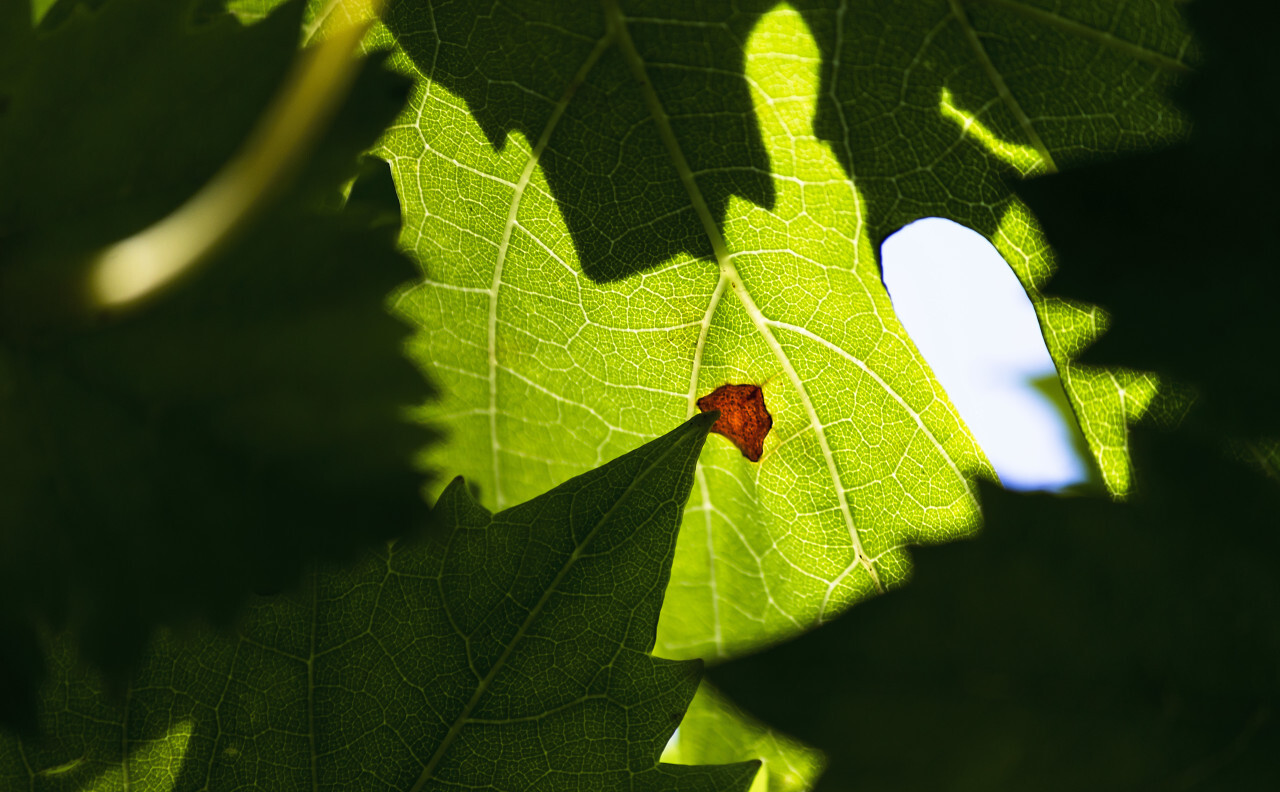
pixel 729 273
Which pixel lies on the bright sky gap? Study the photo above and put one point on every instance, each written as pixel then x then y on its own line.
pixel 966 312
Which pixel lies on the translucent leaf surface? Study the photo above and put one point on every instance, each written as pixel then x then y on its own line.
pixel 583 186
pixel 714 730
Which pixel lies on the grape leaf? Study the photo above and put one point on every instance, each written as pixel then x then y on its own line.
pixel 1085 644
pixel 581 184
pixel 508 651
pixel 865 453
pixel 160 462
pixel 545 204
pixel 1075 643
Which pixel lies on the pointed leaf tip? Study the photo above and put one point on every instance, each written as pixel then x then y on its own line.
pixel 456 500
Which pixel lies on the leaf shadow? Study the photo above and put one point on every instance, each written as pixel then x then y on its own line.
pixel 549 69
pixel 606 164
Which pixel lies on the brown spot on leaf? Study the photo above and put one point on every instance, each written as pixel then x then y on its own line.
pixel 743 417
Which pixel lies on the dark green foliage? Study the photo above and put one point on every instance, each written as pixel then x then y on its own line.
pixel 160 462
pixel 1180 245
pixel 1074 644
pixel 503 652
pixel 886 63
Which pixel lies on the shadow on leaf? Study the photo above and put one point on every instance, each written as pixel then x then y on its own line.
pixel 1179 245
pixel 520 64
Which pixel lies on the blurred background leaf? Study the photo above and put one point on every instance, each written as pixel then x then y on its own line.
pixel 162 461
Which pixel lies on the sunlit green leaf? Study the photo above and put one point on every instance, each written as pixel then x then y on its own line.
pixel 561 293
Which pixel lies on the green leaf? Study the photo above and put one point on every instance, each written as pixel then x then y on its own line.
pixel 509 651
pixel 1075 643
pixel 161 461
pixel 583 186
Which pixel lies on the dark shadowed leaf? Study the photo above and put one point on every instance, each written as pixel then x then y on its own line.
pixel 503 652
pixel 160 462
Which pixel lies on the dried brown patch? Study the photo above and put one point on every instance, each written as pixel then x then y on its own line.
pixel 743 417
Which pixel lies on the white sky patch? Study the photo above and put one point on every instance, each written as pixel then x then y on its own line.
pixel 966 312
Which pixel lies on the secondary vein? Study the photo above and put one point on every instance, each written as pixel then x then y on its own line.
pixel 1002 89
pixel 504 245
pixel 1157 59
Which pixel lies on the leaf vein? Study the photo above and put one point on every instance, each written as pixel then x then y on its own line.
pixel 729 272
pixel 512 214
pixel 1002 88
pixel 1103 37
